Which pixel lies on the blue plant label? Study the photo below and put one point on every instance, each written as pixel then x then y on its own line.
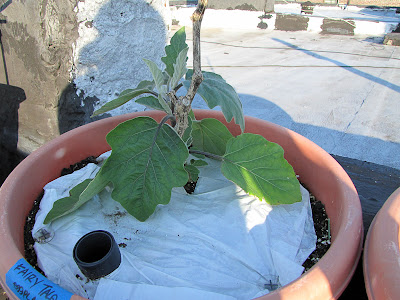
pixel 28 284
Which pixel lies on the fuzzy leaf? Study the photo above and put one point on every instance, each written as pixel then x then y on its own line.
pixel 259 168
pixel 150 101
pixel 142 88
pixel 145 164
pixel 158 77
pixel 179 68
pixel 217 92
pixel 177 44
pixel 67 205
pixel 210 135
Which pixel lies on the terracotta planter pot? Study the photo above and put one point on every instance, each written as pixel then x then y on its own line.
pixel 316 169
pixel 381 261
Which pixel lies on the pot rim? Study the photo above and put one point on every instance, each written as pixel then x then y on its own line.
pixel 381 260
pixel 328 275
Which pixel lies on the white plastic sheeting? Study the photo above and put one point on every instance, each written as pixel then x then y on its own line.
pixel 218 243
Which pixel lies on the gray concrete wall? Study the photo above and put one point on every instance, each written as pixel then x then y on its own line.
pixel 37 39
pixel 114 37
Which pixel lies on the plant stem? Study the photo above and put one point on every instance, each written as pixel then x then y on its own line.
pixel 208 154
pixel 183 105
pixel 197 77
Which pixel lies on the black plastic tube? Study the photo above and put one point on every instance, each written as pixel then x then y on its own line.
pixel 97 254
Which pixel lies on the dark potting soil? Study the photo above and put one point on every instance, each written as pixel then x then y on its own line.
pixel 190 186
pixel 322 230
pixel 30 254
pixel 79 165
pixel 320 218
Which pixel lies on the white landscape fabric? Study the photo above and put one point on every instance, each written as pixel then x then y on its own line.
pixel 218 243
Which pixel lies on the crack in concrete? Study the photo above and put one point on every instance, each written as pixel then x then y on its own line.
pixel 364 100
pixel 358 110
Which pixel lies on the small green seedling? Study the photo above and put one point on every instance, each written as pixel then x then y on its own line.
pixel 148 159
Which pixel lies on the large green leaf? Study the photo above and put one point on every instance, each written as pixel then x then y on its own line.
pixel 142 88
pixel 217 92
pixel 145 164
pixel 177 44
pixel 67 205
pixel 259 168
pixel 210 135
pixel 158 77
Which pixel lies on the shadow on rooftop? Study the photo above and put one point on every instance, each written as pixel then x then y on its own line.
pixel 353 70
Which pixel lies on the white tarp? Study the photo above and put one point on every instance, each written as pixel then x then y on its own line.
pixel 218 243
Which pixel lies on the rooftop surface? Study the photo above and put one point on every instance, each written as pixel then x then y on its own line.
pixel 342 92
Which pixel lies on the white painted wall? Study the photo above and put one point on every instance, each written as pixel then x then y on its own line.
pixel 114 37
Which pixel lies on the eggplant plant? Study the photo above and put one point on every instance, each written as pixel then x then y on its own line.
pixel 148 159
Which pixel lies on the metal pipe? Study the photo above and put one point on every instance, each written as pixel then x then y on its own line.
pixel 4 60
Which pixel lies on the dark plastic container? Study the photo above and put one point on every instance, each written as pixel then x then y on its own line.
pixel 97 254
